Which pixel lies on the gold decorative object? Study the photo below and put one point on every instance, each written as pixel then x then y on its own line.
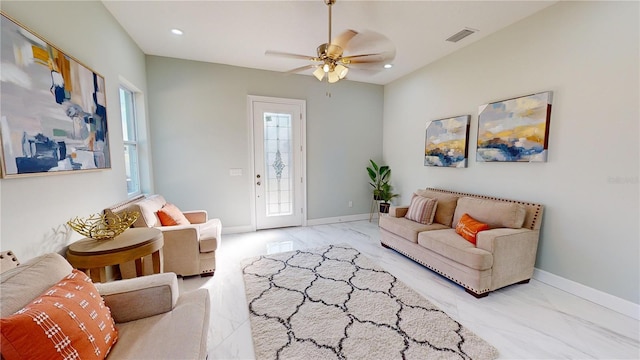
pixel 103 226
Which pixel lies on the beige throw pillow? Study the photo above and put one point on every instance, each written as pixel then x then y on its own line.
pixel 446 205
pixel 497 214
pixel 422 209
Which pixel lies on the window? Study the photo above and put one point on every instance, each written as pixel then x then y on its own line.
pixel 130 139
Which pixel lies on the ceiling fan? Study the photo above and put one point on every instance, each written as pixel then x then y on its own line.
pixel 330 59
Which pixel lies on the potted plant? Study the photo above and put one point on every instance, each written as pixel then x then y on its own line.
pixel 386 195
pixel 379 176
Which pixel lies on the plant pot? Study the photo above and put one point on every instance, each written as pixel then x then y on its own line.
pixel 377 197
pixel 384 208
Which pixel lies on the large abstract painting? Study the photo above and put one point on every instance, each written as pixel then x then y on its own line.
pixel 52 108
pixel 515 129
pixel 447 142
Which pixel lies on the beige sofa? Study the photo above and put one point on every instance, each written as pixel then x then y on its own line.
pixel 152 319
pixel 188 249
pixel 503 255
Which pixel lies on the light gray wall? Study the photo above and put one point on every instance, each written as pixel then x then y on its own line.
pixel 587 53
pixel 200 130
pixel 34 210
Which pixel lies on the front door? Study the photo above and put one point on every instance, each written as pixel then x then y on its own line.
pixel 278 126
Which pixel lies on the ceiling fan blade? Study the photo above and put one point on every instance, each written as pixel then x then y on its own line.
pixel 369 58
pixel 366 61
pixel 343 39
pixel 370 42
pixel 374 57
pixel 302 68
pixel 290 55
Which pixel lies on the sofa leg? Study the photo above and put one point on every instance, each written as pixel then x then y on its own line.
pixel 477 296
pixel 526 281
pixel 207 274
pixel 385 245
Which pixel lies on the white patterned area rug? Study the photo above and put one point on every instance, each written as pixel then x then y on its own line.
pixel 334 303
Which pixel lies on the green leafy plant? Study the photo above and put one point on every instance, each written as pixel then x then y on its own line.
pixel 379 176
pixel 385 194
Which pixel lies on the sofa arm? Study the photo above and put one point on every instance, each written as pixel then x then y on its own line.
pixel 514 254
pixel 196 216
pixel 398 211
pixel 133 299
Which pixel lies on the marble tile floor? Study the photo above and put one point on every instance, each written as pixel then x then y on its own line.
pixel 530 321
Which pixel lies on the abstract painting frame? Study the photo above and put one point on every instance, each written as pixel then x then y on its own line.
pixel 53 112
pixel 515 130
pixel 447 142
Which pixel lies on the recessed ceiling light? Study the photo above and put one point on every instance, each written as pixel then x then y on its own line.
pixel 176 31
pixel 388 66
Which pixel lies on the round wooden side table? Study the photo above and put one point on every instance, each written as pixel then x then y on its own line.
pixel 92 256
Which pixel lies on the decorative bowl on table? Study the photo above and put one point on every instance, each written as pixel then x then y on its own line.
pixel 103 226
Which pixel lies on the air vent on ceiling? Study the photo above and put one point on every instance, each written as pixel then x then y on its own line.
pixel 461 34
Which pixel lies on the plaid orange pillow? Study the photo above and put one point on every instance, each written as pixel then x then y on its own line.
pixel 469 228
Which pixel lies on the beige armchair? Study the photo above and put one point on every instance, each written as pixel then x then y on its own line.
pixel 188 249
pixel 154 321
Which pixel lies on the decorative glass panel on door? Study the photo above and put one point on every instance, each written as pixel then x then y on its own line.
pixel 278 158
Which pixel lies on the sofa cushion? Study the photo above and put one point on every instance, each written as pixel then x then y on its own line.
pixel 422 209
pixel 452 246
pixel 446 205
pixel 495 213
pixel 406 228
pixel 26 282
pixel 469 227
pixel 179 334
pixel 69 320
pixel 170 215
pixel 148 209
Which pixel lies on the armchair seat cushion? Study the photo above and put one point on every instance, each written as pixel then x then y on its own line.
pixel 453 246
pixel 178 334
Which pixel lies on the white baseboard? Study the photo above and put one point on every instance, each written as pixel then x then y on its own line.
pixel 614 303
pixel 339 219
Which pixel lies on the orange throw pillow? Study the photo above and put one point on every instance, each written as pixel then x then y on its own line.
pixel 68 321
pixel 469 227
pixel 170 215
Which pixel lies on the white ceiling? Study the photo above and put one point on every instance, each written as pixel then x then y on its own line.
pixel 239 32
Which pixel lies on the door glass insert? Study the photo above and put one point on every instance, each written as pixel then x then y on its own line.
pixel 278 158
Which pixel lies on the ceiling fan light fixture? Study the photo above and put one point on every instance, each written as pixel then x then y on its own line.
pixel 319 73
pixel 341 70
pixel 333 77
pixel 331 59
